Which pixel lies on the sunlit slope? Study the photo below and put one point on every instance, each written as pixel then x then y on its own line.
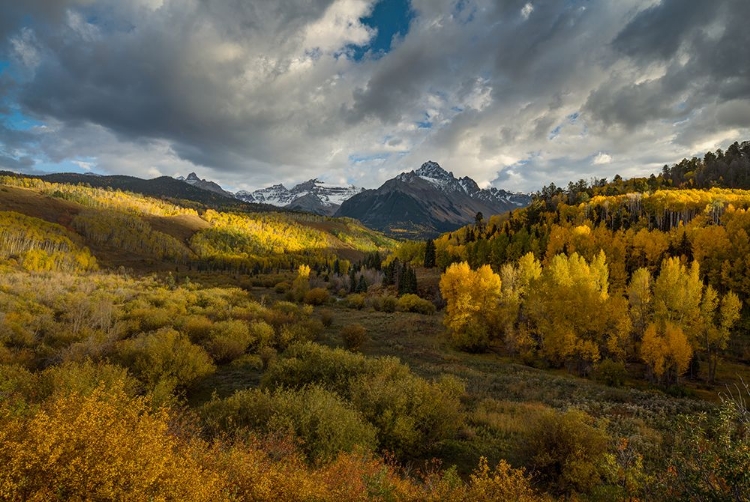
pixel 123 228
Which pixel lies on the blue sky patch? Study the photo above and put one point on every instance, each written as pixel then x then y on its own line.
pixel 390 18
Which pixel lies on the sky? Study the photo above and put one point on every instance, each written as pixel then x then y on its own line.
pixel 249 93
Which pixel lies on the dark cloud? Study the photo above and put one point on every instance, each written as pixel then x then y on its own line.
pixel 660 31
pixel 260 92
pixel 701 48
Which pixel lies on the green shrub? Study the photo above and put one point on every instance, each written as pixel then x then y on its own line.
pixel 611 373
pixel 471 338
pixel 307 363
pixel 325 423
pixel 267 356
pixel 261 333
pixel 353 336
pixel 228 340
pixel 413 303
pixel 412 415
pixel 83 378
pixel 317 296
pixel 282 287
pixel 197 328
pixel 567 450
pixel 165 356
pixel 355 301
pixel 326 317
pixel 388 303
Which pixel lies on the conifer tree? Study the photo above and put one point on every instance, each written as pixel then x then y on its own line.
pixel 429 254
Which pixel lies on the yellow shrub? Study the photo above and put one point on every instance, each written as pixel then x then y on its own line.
pixel 105 446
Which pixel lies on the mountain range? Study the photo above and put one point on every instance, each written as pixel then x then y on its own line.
pixel 427 202
pixel 417 204
pixel 312 196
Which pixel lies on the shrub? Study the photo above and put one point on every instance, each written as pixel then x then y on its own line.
pixel 413 303
pixel 267 356
pixel 197 328
pixel 611 373
pixel 322 420
pixel 567 451
pixel 165 356
pixel 326 317
pixel 306 363
pixel 229 340
pixel 504 484
pixel 316 296
pixel 412 415
pixel 262 333
pixel 388 303
pixel 83 378
pixel 353 336
pixel 282 287
pixel 472 337
pixel 101 446
pixel 355 301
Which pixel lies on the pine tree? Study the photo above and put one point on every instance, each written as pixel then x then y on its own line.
pixel 362 285
pixel 429 254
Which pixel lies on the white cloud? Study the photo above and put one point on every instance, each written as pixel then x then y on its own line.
pixel 527 10
pixel 602 159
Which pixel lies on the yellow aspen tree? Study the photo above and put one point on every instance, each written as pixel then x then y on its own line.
pixel 472 300
pixel 574 317
pixel 641 303
pixel 678 291
pixel 666 350
pixel 720 317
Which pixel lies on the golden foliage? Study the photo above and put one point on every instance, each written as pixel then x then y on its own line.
pixel 104 446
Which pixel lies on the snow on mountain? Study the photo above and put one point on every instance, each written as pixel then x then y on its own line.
pixel 276 195
pixel 447 183
pixel 328 196
pixel 244 196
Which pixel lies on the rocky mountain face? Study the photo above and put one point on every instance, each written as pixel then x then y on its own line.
pixel 193 179
pixel 312 196
pixel 427 202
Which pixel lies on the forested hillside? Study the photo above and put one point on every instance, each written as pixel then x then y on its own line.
pixel 598 276
pixel 579 349
pixel 136 231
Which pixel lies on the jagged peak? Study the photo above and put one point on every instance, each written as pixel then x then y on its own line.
pixel 192 177
pixel 308 185
pixel 433 170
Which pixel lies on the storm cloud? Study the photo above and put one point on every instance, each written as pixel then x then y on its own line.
pixel 514 93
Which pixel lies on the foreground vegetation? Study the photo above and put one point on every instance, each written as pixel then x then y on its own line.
pixel 152 351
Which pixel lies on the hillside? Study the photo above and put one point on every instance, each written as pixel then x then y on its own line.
pixel 163 187
pixel 135 231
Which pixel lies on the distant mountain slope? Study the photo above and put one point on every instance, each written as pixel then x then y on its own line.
pixel 161 187
pixel 312 196
pixel 427 202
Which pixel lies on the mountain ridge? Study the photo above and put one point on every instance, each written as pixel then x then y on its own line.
pixel 426 202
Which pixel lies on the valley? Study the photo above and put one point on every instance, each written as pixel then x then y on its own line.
pixel 295 347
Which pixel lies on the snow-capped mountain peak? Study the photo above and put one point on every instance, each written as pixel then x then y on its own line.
pixel 432 171
pixel 312 195
pixel 447 183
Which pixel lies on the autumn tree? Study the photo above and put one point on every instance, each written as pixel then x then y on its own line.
pixel 576 320
pixel 716 331
pixel 472 301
